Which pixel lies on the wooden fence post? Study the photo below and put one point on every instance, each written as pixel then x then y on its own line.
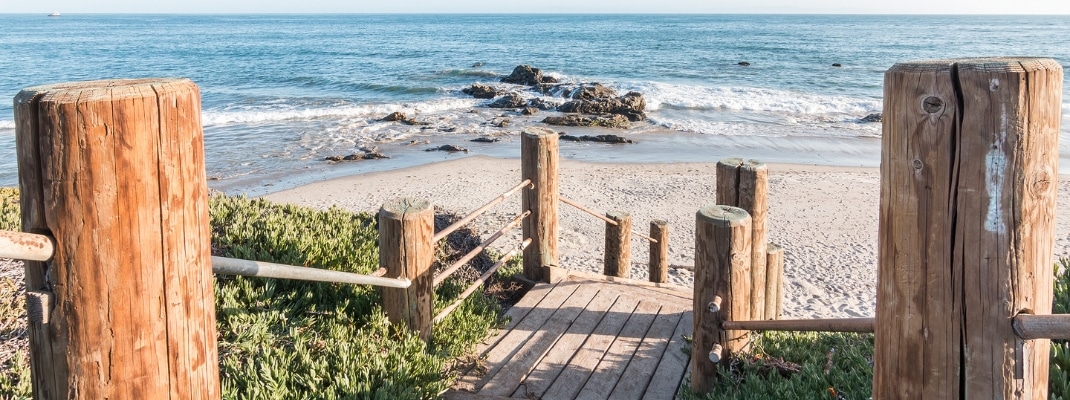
pixel 968 188
pixel 114 171
pixel 774 284
pixel 659 251
pixel 406 250
pixel 722 269
pixel 745 184
pixel 539 160
pixel 618 257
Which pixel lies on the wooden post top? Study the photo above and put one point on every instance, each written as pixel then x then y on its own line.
pixel 109 89
pixel 990 64
pixel 539 131
pixel 724 215
pixel 660 222
pixel 405 208
pixel 617 215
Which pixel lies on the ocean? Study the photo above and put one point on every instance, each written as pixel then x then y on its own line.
pixel 282 92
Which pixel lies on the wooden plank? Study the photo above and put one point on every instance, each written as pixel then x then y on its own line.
pixel 753 193
pixel 1004 229
pixel 667 378
pixel 554 362
pixel 521 362
pixel 618 257
pixel 579 369
pixel 635 379
pixel 664 288
pixel 535 319
pixel 406 251
pixel 620 353
pixel 539 163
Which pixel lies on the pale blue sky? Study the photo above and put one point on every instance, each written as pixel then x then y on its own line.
pixel 543 6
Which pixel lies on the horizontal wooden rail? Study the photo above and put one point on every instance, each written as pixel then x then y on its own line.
pixel 862 325
pixel 233 266
pixel 482 246
pixel 26 246
pixel 479 282
pixel 604 218
pixel 1056 326
pixel 479 211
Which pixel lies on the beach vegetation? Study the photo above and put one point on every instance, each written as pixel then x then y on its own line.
pixel 283 339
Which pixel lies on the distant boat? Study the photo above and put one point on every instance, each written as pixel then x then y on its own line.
pixel 55 14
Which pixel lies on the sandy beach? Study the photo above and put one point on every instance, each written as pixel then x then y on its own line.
pixel 826 218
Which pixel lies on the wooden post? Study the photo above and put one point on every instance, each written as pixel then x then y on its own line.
pixel 618 257
pixel 659 251
pixel 406 250
pixel 114 171
pixel 968 188
pixel 745 184
pixel 539 160
pixel 722 268
pixel 774 284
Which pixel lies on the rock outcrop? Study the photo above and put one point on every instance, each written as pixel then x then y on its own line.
pixel 481 91
pixel 448 148
pixel 528 76
pixel 606 121
pixel 631 106
pixel 599 138
pixel 509 100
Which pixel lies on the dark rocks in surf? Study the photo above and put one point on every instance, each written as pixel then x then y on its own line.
pixel 448 148
pixel 871 118
pixel 591 91
pixel 614 139
pixel 509 100
pixel 543 104
pixel 363 155
pixel 529 111
pixel 528 76
pixel 395 116
pixel 743 64
pixel 477 64
pixel 837 65
pixel 481 91
pixel 500 122
pixel 485 139
pixel 631 105
pixel 605 121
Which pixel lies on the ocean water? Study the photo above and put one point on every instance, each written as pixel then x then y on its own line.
pixel 281 92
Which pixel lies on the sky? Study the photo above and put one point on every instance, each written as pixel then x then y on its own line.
pixel 544 6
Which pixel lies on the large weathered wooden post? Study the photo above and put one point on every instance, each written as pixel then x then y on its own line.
pixel 114 171
pixel 745 184
pixel 722 289
pixel 659 251
pixel 968 188
pixel 539 160
pixel 406 227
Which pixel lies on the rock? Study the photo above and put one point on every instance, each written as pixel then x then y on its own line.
pixel 485 139
pixel 510 100
pixel 528 76
pixel 368 155
pixel 743 64
pixel 593 91
pixel 605 121
pixel 875 117
pixel 500 122
pixel 448 147
pixel 416 142
pixel 448 129
pixel 477 64
pixel 395 116
pixel 543 104
pixel 529 111
pixel 600 139
pixel 481 91
pixel 837 65
pixel 630 106
pixel 413 121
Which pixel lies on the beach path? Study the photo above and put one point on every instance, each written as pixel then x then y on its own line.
pixel 586 337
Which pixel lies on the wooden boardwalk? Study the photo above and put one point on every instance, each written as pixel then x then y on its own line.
pixel 586 338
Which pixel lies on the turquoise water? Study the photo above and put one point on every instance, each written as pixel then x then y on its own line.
pixel 280 92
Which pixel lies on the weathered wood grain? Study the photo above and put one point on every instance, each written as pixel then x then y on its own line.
pixel 753 198
pixel 539 163
pixel 114 171
pixel 659 251
pixel 618 257
pixel 774 281
pixel 406 227
pixel 579 369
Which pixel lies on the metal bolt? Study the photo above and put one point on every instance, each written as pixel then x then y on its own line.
pixel 715 353
pixel 715 305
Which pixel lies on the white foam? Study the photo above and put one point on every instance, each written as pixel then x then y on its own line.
pixel 288 113
pixel 664 95
pixel 6 124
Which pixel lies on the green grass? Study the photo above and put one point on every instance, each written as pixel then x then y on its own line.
pixel 1059 375
pixel 282 339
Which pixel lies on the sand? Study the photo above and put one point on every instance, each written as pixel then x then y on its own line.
pixel 824 217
